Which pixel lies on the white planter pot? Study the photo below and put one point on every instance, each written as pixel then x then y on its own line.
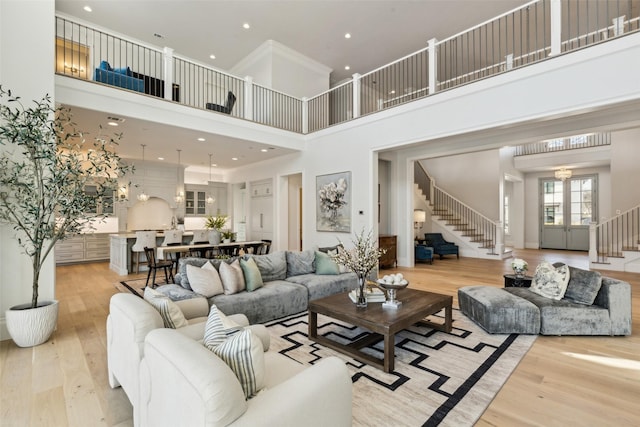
pixel 29 327
pixel 214 237
pixel 226 241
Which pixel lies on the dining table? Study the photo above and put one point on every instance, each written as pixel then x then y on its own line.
pixel 229 249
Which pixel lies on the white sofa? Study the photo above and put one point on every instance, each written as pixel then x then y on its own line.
pixel 129 321
pixel 171 379
pixel 184 384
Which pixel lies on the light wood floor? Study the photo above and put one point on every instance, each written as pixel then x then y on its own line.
pixel 562 381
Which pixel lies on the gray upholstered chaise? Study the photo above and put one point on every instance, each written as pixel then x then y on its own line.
pixel 513 310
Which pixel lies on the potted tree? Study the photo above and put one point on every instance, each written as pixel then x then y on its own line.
pixel 45 165
pixel 215 224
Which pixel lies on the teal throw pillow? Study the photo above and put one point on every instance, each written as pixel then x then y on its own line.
pixel 325 265
pixel 252 276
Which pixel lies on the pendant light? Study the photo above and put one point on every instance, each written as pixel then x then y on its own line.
pixel 143 197
pixel 210 200
pixel 179 197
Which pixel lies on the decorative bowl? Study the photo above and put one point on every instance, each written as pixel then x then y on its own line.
pixel 391 289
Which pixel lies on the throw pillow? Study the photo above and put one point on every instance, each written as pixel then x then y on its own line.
pixel 205 280
pixel 232 277
pixel 252 277
pixel 171 314
pixel 300 262
pixel 272 266
pixel 241 350
pixel 549 281
pixel 104 65
pixel 325 265
pixel 583 286
pixel 341 267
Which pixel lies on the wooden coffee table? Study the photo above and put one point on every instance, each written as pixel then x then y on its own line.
pixel 383 323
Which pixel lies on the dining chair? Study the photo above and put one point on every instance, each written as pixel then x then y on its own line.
pixel 155 265
pixel 143 239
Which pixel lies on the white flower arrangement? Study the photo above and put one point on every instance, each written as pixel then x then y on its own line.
pixel 519 264
pixel 363 257
pixel 332 195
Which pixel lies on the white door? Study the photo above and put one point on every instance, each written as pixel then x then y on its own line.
pixel 567 208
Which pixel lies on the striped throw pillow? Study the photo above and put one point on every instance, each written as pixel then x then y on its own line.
pixel 172 316
pixel 241 350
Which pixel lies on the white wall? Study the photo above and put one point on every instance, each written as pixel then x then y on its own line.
pixel 472 178
pixel 26 67
pixel 625 170
pixel 281 68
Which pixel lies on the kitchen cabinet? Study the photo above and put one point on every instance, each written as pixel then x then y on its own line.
pixel 196 199
pixel 261 210
pixel 83 247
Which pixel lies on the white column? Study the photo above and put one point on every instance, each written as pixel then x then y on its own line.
pixel 499 249
pixel 356 95
pixel 593 250
pixel 305 115
pixel 27 59
pixel 167 72
pixel 556 27
pixel 433 66
pixel 248 98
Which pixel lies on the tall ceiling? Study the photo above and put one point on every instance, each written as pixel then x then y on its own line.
pixel 381 32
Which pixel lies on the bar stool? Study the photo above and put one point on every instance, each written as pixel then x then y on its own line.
pixel 200 237
pixel 173 238
pixel 143 239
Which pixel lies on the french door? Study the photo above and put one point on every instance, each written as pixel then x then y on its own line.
pixel 566 210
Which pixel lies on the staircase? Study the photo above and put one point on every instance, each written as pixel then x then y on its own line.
pixel 615 243
pixel 477 235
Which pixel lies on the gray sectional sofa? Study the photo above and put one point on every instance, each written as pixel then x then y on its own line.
pixel 290 282
pixel 592 305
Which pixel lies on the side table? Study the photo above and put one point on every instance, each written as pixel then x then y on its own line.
pixel 510 280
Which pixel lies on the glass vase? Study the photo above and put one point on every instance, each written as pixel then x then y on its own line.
pixel 361 300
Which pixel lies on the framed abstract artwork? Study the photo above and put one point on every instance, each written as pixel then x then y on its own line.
pixel 333 200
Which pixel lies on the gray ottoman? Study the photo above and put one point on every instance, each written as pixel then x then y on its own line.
pixel 498 311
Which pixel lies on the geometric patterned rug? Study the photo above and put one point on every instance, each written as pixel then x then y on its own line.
pixel 135 286
pixel 440 379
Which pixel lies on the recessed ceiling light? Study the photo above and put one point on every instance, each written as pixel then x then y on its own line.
pixel 212 56
pixel 201 139
pixel 112 123
pixel 246 26
pixel 214 165
pixel 160 158
pixel 347 36
pixel 346 67
pixel 158 35
pixel 392 92
pixel 234 158
pixel 88 9
pixel 264 150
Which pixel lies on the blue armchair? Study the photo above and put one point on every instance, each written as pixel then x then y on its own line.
pixel 441 246
pixel 424 253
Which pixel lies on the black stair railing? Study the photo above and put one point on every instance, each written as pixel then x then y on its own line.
pixel 618 234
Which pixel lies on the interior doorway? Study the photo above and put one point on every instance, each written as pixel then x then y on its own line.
pixel 567 208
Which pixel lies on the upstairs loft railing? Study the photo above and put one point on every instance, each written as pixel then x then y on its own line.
pixel 533 32
pixel 563 144
pixel 611 238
